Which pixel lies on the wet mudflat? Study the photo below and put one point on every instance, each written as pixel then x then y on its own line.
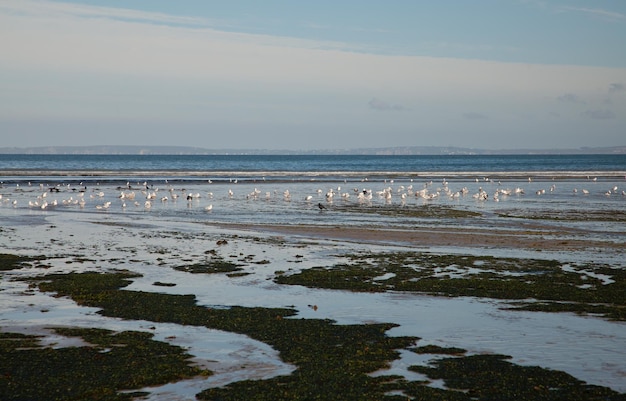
pixel 332 361
pixel 408 310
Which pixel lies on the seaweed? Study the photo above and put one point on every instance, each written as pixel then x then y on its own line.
pixel 332 361
pixel 435 349
pixel 567 215
pixel 14 262
pixel 215 265
pixel 162 284
pixel 113 362
pixel 421 212
pixel 492 377
pixel 514 279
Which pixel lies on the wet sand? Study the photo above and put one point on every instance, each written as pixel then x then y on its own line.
pixel 151 244
pixel 537 239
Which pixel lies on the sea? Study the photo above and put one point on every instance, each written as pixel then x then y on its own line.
pixel 304 166
pixel 289 189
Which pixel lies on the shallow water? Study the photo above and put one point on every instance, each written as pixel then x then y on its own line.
pixel 285 202
pixel 174 232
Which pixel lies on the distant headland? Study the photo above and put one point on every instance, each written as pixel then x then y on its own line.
pixel 400 150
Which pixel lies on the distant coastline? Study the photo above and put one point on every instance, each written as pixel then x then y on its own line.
pixel 406 150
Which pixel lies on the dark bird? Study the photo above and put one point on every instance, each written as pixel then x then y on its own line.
pixel 322 207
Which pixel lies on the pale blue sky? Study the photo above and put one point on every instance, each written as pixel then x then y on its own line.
pixel 313 75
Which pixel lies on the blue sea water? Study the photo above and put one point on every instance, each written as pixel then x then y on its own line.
pixel 291 165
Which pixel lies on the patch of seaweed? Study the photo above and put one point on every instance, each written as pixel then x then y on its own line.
pixel 14 262
pixel 492 377
pixel 421 212
pixel 435 349
pixel 114 362
pixel 567 215
pixel 215 265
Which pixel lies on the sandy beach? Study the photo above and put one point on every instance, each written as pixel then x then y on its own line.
pixel 529 237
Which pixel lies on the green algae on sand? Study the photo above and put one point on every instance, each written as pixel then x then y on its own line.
pixel 13 262
pixel 547 285
pixel 99 371
pixel 492 377
pixel 333 362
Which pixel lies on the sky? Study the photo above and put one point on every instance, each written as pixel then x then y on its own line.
pixel 311 75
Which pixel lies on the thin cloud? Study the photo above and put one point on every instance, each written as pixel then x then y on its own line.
pixel 599 114
pixel 475 116
pixel 590 12
pixel 569 98
pixel 596 12
pixel 208 27
pixel 27 7
pixel 378 104
pixel 616 87
pixel 314 25
pixel 474 48
pixel 370 30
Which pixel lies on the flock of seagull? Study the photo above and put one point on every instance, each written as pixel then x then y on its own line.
pixel 144 196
